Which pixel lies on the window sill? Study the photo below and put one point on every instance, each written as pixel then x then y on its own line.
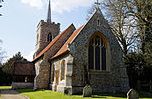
pixel 98 72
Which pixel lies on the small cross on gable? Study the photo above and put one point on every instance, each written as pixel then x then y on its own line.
pixel 97 4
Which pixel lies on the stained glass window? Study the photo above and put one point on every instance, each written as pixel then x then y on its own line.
pixel 97 54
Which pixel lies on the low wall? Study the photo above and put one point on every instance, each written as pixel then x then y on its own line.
pixel 21 85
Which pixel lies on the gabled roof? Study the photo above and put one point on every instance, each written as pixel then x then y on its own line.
pixel 64 49
pixel 53 42
pixel 24 68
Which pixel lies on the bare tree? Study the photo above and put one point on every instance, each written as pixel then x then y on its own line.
pixel 1 5
pixel 130 21
pixel 142 11
pixel 1 53
pixel 123 26
pixel 90 11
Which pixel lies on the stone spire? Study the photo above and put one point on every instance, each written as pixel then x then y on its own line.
pixel 49 13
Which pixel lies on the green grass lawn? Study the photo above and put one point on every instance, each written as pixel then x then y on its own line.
pixel 5 87
pixel 47 94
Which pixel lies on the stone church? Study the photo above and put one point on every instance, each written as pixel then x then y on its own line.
pixel 66 61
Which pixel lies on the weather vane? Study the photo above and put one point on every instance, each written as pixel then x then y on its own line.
pixel 97 4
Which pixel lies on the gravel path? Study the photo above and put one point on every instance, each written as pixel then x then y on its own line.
pixel 11 94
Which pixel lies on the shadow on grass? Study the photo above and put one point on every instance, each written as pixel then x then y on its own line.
pixel 98 95
pixel 7 90
pixel 124 95
pixel 145 94
pixel 95 95
pixel 25 90
pixel 121 95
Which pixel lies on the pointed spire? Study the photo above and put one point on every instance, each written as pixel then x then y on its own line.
pixel 49 13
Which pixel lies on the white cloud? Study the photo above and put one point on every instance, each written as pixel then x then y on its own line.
pixel 30 56
pixel 59 5
pixel 68 5
pixel 33 3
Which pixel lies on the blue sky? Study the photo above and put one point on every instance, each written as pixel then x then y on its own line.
pixel 20 18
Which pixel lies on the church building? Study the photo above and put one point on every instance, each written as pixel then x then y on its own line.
pixel 66 61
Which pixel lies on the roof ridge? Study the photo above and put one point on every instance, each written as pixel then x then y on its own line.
pixel 52 42
pixel 64 48
pixel 79 30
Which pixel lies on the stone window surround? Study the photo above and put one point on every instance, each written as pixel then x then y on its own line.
pixel 98 22
pixel 67 82
pixel 52 72
pixel 37 37
pixel 49 37
pixel 97 41
pixel 62 66
pixel 108 52
pixel 57 67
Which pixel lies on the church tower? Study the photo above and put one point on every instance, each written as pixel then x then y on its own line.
pixel 46 31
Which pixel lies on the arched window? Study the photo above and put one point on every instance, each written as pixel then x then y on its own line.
pixel 62 70
pixel 97 54
pixel 98 22
pixel 37 37
pixel 49 37
pixel 53 72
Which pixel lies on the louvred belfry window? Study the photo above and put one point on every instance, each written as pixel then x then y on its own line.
pixel 97 54
pixel 49 37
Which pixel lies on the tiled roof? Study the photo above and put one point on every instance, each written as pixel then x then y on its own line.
pixel 64 48
pixel 52 42
pixel 23 68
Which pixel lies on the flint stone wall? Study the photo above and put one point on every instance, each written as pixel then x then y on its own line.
pixel 21 85
pixel 114 79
